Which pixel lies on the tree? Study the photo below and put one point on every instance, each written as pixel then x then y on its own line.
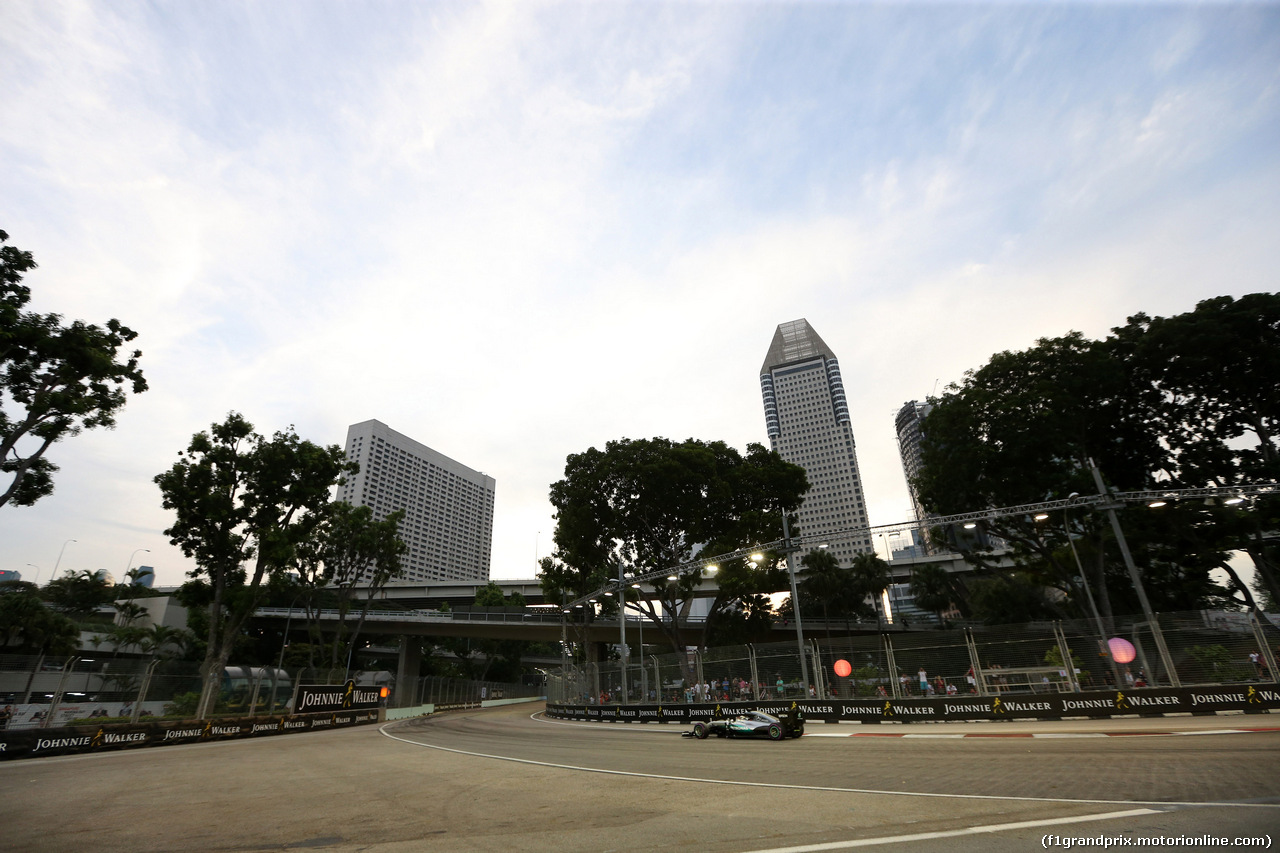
pixel 833 590
pixel 240 499
pixel 1216 370
pixel 342 545
pixel 79 594
pixel 1028 427
pixel 26 624
pixel 487 659
pixel 56 380
pixel 931 588
pixel 651 504
pixel 1009 598
pixel 871 577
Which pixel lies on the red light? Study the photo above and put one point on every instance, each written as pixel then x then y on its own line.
pixel 384 692
pixel 843 668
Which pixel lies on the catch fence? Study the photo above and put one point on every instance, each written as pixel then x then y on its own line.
pixel 48 691
pixel 1177 649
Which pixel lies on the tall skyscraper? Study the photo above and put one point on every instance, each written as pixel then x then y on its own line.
pixel 807 416
pixel 930 539
pixel 448 523
pixel 909 423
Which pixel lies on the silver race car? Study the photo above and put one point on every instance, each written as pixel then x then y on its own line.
pixel 752 724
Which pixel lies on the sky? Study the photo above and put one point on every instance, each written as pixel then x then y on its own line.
pixel 516 231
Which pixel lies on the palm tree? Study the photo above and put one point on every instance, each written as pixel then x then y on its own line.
pixel 157 637
pixel 931 588
pixel 871 578
pixel 825 583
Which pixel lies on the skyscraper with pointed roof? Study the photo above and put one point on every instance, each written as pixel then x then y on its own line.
pixel 807 417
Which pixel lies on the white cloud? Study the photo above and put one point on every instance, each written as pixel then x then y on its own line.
pixel 514 231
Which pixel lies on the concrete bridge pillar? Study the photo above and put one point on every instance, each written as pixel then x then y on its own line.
pixel 407 671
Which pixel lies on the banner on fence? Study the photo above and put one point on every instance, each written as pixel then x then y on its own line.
pixel 70 740
pixel 1152 701
pixel 338 697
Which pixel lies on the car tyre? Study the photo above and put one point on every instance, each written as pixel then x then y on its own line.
pixel 775 732
pixel 700 731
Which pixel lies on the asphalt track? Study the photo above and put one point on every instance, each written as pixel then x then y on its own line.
pixel 509 779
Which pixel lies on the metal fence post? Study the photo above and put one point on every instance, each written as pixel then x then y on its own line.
pixel 1068 665
pixel 67 669
pixel 755 672
pixel 1165 657
pixel 979 677
pixel 895 687
pixel 142 692
pixel 819 675
pixel 1261 638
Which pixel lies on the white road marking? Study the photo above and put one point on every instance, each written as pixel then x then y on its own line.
pixel 540 717
pixel 383 731
pixel 955 833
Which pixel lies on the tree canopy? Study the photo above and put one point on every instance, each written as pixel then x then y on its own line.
pixel 27 624
pixel 651 504
pixel 1163 403
pixel 242 503
pixel 339 546
pixel 56 380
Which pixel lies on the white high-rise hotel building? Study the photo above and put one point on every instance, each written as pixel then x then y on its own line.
pixel 807 416
pixel 448 522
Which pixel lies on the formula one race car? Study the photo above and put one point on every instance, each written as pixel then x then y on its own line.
pixel 783 724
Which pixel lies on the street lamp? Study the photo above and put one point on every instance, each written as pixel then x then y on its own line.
pixel 622 630
pixel 644 678
pixel 789 555
pixel 129 565
pixel 62 551
pixel 37 568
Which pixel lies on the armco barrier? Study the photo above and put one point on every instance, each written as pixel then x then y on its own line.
pixel 1257 699
pixel 71 740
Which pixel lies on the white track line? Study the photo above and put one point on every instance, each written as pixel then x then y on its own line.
pixel 954 833
pixel 383 731
pixel 540 717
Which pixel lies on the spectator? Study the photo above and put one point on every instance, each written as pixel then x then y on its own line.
pixel 924 682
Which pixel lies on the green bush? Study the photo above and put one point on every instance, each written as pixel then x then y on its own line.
pixel 183 705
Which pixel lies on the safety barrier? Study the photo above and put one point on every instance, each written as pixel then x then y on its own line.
pixel 1250 699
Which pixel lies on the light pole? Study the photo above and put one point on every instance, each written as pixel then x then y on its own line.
pixel 62 551
pixel 129 565
pixel 1134 576
pixel 564 651
pixel 622 630
pixel 37 568
pixel 789 554
pixel 644 677
pixel 284 642
pixel 1088 591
